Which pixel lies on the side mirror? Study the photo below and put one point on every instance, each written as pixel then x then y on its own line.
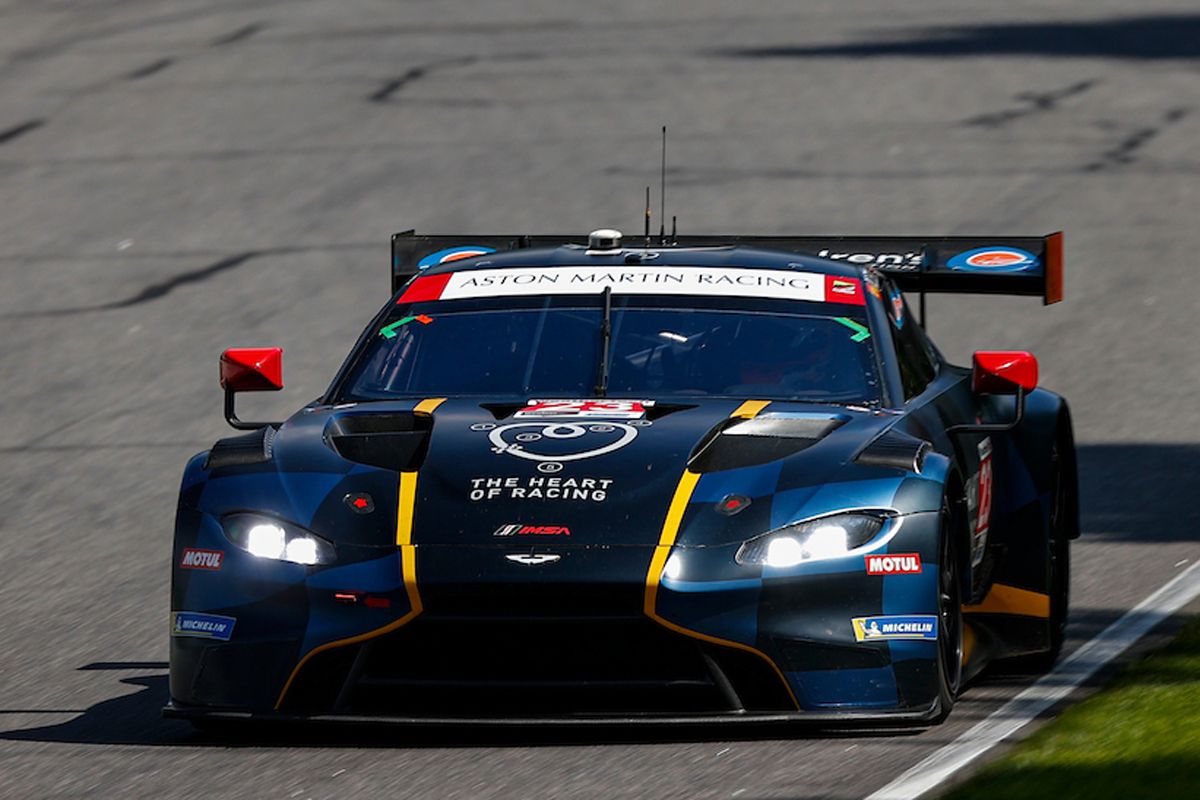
pixel 1001 372
pixel 250 369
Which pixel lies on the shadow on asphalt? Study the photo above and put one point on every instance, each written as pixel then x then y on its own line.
pixel 135 719
pixel 1149 38
pixel 1139 492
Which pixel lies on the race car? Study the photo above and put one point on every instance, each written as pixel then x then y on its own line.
pixel 591 480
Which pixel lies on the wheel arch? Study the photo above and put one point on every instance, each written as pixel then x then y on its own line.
pixel 956 497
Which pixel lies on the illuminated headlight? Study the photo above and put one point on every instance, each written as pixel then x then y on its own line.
pixel 673 569
pixel 271 538
pixel 813 540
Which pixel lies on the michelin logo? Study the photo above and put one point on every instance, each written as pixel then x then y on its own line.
pixel 205 626
pixel 918 626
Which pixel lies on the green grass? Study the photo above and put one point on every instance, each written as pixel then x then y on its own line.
pixel 1140 737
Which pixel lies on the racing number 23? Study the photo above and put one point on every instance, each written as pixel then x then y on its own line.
pixel 631 409
pixel 983 514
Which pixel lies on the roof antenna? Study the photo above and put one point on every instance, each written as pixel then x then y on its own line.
pixel 647 216
pixel 662 192
pixel 674 238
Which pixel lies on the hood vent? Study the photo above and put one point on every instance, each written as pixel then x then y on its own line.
pixel 897 450
pixel 236 451
pixel 768 437
pixel 392 441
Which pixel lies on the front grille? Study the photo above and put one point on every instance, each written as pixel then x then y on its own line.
pixel 438 667
pixel 525 600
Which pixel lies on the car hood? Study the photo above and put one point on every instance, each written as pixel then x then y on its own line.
pixel 489 474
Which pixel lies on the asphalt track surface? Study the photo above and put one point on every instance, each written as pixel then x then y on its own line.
pixel 178 177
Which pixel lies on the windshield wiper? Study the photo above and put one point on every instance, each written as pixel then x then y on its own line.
pixel 605 340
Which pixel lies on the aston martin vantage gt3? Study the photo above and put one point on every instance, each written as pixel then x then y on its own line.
pixel 593 480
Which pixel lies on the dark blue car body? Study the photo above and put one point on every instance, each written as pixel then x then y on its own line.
pixel 492 561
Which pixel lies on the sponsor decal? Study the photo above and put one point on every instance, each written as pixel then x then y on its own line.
pixel 983 501
pixel 894 564
pixel 537 487
pixel 195 558
pixel 897 301
pixel 533 559
pixel 915 626
pixel 994 259
pixel 906 262
pixel 608 409
pixel 872 282
pixel 560 441
pixel 389 331
pixel 517 529
pixel 453 254
pixel 359 502
pixel 203 626
pixel 843 290
pixel 861 332
pixel 670 280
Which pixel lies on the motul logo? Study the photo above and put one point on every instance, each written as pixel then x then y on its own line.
pixel 201 559
pixel 894 564
pixel 532 530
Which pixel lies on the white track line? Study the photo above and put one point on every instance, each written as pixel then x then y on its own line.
pixel 1048 690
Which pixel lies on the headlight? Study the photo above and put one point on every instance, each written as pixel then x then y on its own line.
pixel 271 538
pixel 812 540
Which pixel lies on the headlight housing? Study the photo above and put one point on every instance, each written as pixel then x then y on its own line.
pixel 813 540
pixel 267 537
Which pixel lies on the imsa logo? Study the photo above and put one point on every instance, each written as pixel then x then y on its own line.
pixel 517 529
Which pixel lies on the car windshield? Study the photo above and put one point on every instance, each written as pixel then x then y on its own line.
pixel 555 349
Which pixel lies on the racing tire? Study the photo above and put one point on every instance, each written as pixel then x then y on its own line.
pixel 1059 566
pixel 950 616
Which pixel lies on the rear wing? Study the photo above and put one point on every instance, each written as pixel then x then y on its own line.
pixel 1016 265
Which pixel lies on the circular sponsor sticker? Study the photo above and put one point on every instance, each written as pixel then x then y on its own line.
pixel 559 441
pixel 994 259
pixel 453 254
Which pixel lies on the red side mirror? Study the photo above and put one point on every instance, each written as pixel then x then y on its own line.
pixel 252 369
pixel 1003 372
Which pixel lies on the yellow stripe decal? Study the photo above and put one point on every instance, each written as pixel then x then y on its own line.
pixel 666 540
pixel 404 507
pixel 406 500
pixel 683 493
pixel 1002 599
pixel 749 409
pixel 427 406
pixel 968 643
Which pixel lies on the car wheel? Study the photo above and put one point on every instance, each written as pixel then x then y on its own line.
pixel 1059 566
pixel 950 617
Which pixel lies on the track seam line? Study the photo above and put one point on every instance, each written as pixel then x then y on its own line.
pixel 1049 690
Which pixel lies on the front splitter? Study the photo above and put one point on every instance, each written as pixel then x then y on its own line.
pixel 813 719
